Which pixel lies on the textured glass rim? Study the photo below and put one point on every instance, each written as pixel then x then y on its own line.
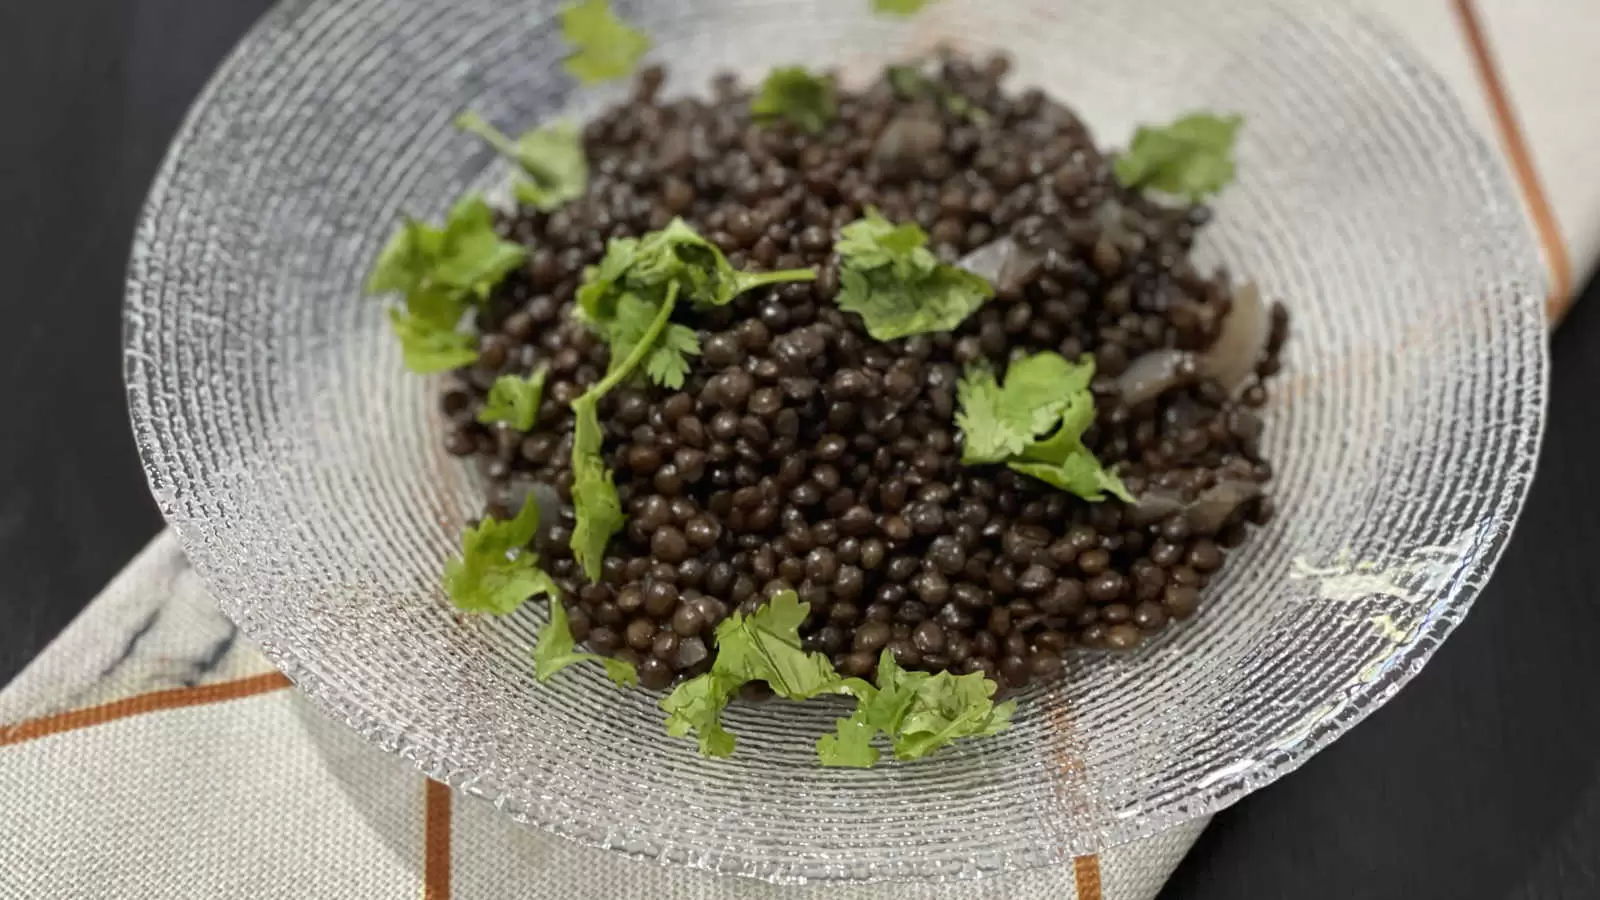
pixel 1524 436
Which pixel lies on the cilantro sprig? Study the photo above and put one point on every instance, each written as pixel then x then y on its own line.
pixel 1035 422
pixel 676 254
pixel 621 296
pixel 897 286
pixel 551 158
pixel 1190 158
pixel 604 47
pixel 918 712
pixel 496 572
pixel 514 400
pixel 594 492
pixel 441 272
pixel 628 299
pixel 805 100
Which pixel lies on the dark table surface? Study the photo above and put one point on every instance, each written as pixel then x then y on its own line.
pixel 1481 779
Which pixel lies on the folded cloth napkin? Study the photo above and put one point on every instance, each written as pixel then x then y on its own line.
pixel 155 754
pixel 151 752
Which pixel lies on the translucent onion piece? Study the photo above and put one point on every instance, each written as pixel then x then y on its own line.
pixel 1232 357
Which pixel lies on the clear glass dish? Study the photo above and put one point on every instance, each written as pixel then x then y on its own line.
pixel 303 470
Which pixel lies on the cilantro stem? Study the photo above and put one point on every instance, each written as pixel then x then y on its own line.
pixel 646 343
pixel 749 280
pixel 472 123
pixel 594 497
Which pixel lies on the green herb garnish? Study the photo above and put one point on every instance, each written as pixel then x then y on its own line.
pixel 619 296
pixel 496 572
pixel 604 47
pixel 1191 158
pixel 465 257
pixel 796 95
pixel 514 401
pixel 899 7
pixel 427 347
pixel 550 156
pixel 897 286
pixel 628 299
pixel 763 646
pixel 594 493
pixel 675 254
pixel 441 272
pixel 556 650
pixel 919 712
pixel 1035 423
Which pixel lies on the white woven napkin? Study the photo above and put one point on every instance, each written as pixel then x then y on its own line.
pixel 154 754
pixel 150 752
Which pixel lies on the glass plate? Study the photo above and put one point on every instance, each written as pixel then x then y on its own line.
pixel 303 468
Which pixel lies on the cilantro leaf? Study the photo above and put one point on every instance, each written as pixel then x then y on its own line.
pixel 496 572
pixel 441 272
pixel 551 156
pixel 465 257
pixel 604 47
pixel 1008 424
pixel 897 286
pixel 851 745
pixel 943 708
pixel 555 651
pixel 874 242
pixel 473 258
pixel 679 254
pixel 667 363
pixel 1192 157
pixel 695 707
pixel 1000 422
pixel 899 7
pixel 427 348
pixel 792 93
pixel 594 493
pixel 1061 460
pixel 987 436
pixel 631 321
pixel 399 266
pixel 514 401
pixel 918 711
pixel 763 646
pixel 1037 384
pixel 618 296
pixel 1079 474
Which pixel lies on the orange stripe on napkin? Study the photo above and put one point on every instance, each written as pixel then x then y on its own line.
pixel 1516 149
pixel 436 841
pixel 1086 872
pixel 174 698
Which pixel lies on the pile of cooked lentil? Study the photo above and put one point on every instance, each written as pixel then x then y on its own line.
pixel 801 454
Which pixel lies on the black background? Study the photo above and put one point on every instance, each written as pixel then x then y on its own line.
pixel 1481 779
